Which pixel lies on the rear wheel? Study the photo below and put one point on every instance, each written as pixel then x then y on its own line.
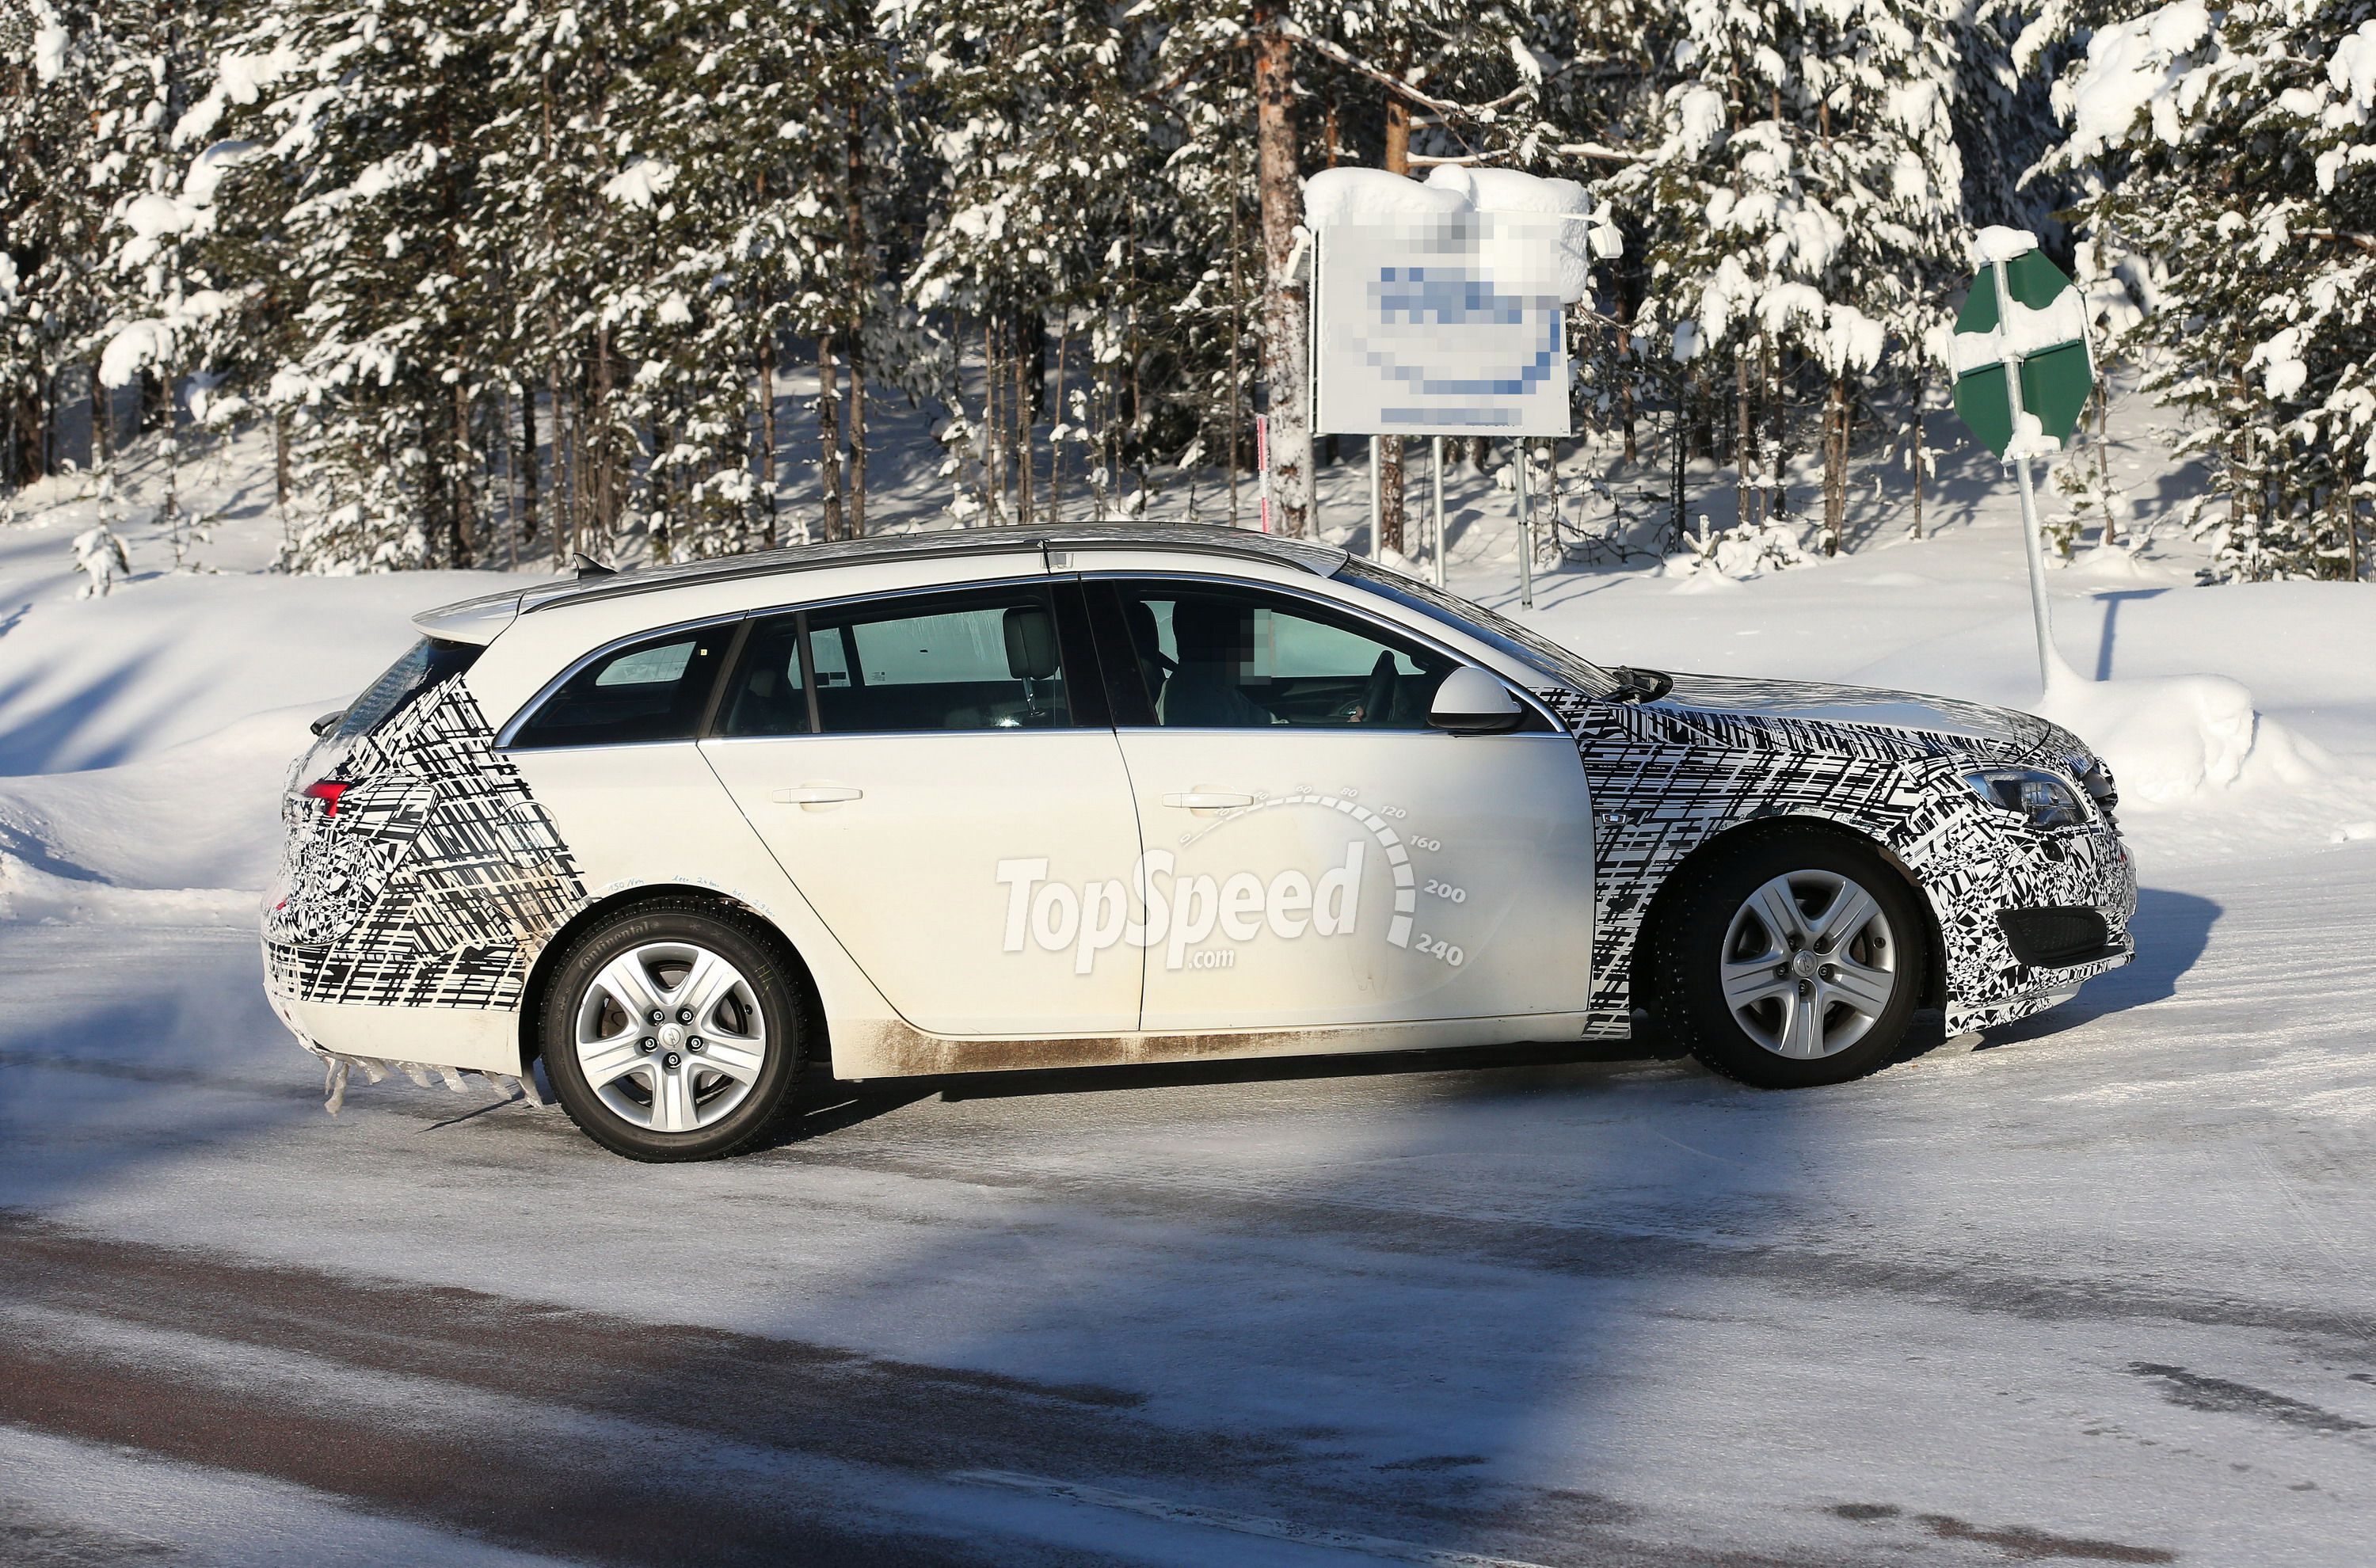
pixel 1794 961
pixel 672 1031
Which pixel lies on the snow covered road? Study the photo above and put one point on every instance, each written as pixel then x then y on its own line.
pixel 2100 1292
pixel 2104 1291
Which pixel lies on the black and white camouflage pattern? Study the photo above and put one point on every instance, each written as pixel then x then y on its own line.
pixel 1669 776
pixel 436 883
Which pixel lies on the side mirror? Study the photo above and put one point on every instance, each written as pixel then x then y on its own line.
pixel 1471 702
pixel 327 722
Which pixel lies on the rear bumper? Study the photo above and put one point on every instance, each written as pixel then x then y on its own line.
pixel 481 1040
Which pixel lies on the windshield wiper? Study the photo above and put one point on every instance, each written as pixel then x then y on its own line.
pixel 1640 685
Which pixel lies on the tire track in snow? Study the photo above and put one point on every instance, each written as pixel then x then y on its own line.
pixel 593 1436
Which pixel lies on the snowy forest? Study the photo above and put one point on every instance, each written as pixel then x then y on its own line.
pixel 510 279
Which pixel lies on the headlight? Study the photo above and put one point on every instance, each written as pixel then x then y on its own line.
pixel 2044 800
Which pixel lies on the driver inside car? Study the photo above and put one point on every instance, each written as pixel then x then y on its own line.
pixel 1216 642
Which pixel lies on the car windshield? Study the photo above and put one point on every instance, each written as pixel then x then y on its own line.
pixel 1529 647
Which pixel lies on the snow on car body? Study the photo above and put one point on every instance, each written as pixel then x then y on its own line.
pixel 1005 799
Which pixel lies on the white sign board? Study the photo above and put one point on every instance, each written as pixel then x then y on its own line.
pixel 1433 315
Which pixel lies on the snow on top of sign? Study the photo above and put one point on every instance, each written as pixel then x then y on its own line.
pixel 1547 212
pixel 1336 198
pixel 2023 331
pixel 1995 243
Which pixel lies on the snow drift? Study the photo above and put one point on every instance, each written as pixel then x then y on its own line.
pixel 2173 737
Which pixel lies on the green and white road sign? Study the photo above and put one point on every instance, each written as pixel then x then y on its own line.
pixel 2022 314
pixel 2023 377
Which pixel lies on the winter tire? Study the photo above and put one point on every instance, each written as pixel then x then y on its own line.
pixel 1795 961
pixel 672 1031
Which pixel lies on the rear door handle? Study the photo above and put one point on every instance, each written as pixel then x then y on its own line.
pixel 1207 800
pixel 816 795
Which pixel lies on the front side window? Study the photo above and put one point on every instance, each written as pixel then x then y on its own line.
pixel 1522 643
pixel 653 690
pixel 1210 656
pixel 978 660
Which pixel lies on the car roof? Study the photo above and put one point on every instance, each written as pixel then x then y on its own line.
pixel 479 620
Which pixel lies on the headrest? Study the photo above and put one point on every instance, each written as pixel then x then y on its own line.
pixel 1030 643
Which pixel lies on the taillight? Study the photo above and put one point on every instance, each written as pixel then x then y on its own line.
pixel 328 791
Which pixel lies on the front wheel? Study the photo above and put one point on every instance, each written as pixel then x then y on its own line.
pixel 671 1031
pixel 1795 961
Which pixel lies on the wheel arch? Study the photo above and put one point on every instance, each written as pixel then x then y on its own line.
pixel 1642 979
pixel 540 974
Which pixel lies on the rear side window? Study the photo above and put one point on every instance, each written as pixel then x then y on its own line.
pixel 425 664
pixel 985 659
pixel 653 690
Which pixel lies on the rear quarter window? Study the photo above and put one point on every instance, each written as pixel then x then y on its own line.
pixel 655 689
pixel 426 663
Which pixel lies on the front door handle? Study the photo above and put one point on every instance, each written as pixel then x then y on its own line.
pixel 1207 800
pixel 816 795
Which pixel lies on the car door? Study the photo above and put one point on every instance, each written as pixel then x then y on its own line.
pixel 936 773
pixel 1316 853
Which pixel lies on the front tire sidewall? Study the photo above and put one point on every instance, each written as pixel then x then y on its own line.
pixel 778 1005
pixel 1692 999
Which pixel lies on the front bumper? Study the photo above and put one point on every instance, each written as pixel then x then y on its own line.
pixel 1988 982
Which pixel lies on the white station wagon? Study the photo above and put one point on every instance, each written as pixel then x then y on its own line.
pixel 1000 799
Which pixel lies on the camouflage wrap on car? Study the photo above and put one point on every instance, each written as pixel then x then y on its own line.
pixel 436 882
pixel 1669 776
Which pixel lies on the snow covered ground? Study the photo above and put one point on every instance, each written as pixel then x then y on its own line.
pixel 2099 1291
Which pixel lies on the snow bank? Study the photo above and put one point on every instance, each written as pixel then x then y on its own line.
pixel 2175 738
pixel 28 893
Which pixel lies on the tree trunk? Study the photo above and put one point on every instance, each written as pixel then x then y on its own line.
pixel 606 513
pixel 1286 353
pixel 1777 431
pixel 1744 444
pixel 2104 460
pixel 526 466
pixel 1625 378
pixel 854 237
pixel 1681 459
pixel 828 409
pixel 1836 465
pixel 1056 447
pixel 768 438
pixel 564 526
pixel 1390 447
pixel 103 432
pixel 25 419
pixel 1919 461
pixel 1020 401
pixel 465 525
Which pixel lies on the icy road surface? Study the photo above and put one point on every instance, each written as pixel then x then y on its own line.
pixel 2102 1292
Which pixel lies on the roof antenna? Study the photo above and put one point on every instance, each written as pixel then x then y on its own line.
pixel 589 567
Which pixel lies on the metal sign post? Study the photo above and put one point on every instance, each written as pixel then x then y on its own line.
pixel 1262 463
pixel 2033 546
pixel 1437 509
pixel 1525 532
pixel 2025 324
pixel 1377 518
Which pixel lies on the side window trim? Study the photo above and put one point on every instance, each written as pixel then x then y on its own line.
pixel 1114 641
pixel 508 735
